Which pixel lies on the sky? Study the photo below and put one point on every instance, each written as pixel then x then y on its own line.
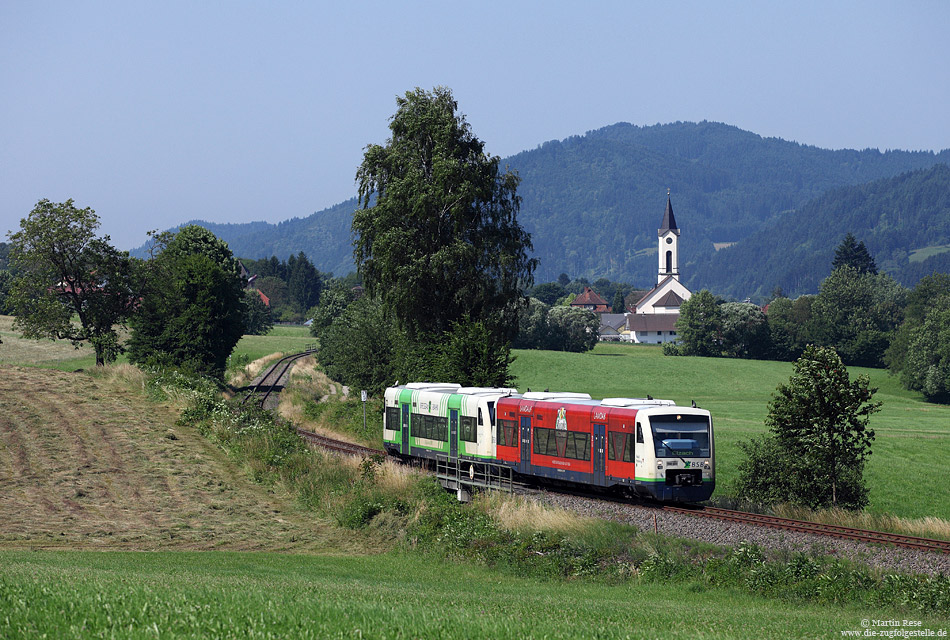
pixel 158 113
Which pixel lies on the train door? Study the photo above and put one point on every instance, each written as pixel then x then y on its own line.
pixel 525 444
pixel 405 429
pixel 640 457
pixel 453 434
pixel 599 453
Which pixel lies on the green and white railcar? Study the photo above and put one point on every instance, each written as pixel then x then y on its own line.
pixel 427 420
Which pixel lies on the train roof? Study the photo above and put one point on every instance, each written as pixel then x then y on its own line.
pixel 484 391
pixel 636 402
pixel 554 395
pixel 433 386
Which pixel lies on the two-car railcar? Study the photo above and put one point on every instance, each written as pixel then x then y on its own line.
pixel 644 446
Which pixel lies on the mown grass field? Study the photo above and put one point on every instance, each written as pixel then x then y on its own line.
pixel 61 355
pixel 222 595
pixel 911 453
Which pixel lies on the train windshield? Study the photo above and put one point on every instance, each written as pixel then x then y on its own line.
pixel 680 435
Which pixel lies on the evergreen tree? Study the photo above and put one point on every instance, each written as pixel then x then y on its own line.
pixel 618 306
pixel 854 254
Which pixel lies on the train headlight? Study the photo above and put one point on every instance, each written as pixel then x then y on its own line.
pixel 706 465
pixel 659 464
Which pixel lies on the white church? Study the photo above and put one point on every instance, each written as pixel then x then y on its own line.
pixel 652 320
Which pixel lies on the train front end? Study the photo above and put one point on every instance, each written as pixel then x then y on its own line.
pixel 675 456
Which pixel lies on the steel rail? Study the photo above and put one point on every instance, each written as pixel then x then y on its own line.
pixel 339 446
pixel 818 528
pixel 283 364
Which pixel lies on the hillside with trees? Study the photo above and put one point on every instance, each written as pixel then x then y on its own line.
pixel 592 203
pixel 904 222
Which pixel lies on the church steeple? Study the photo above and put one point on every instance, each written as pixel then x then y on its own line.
pixel 669 221
pixel 668 252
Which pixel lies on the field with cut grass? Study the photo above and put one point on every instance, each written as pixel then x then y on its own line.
pixel 268 595
pixel 910 453
pixel 87 461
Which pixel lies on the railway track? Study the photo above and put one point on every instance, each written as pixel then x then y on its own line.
pixel 271 380
pixel 338 446
pixel 802 526
pixel 270 383
pixel 861 535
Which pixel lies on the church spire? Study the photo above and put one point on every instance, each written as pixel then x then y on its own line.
pixel 668 250
pixel 669 221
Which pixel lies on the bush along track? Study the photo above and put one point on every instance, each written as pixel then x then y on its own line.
pixel 396 508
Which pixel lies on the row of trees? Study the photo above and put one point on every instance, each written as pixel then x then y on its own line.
pixel 857 311
pixel 556 328
pixel 183 306
pixel 866 316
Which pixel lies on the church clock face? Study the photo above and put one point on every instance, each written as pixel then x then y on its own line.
pixel 669 241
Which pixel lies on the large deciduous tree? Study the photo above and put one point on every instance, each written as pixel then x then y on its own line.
pixel 437 237
pixel 819 438
pixel 192 312
pixel 858 313
pixel 699 326
pixel 65 272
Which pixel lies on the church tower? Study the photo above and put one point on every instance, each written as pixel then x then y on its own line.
pixel 668 253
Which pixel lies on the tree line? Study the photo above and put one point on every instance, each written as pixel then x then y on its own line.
pixel 866 316
pixel 183 306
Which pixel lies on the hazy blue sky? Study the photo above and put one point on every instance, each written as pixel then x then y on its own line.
pixel 162 112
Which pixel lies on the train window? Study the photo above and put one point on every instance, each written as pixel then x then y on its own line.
pixel 562 444
pixel 392 418
pixel 431 427
pixel 620 446
pixel 491 413
pixel 578 446
pixel 639 433
pixel 692 432
pixel 506 433
pixel 467 429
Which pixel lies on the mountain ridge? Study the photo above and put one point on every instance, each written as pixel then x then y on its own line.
pixel 593 202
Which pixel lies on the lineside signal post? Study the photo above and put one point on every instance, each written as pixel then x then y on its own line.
pixel 363 398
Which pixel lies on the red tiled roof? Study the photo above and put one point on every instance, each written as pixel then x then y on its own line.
pixel 590 298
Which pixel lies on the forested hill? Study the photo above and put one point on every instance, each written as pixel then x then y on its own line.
pixel 904 221
pixel 593 202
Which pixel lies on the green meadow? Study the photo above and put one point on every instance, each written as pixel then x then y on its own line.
pixel 284 339
pixel 268 595
pixel 911 453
